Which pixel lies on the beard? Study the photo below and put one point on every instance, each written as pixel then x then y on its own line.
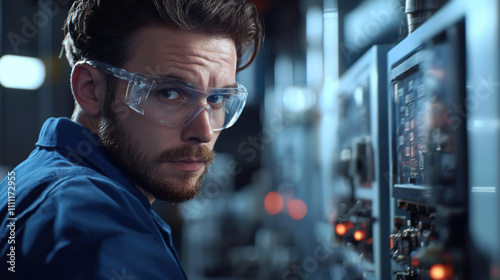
pixel 180 187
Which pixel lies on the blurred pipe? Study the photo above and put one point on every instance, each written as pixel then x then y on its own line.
pixel 331 45
pixel 1 89
pixel 418 11
pixel 45 52
pixel 370 21
pixel 314 53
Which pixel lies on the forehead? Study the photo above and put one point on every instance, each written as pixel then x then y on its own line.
pixel 191 56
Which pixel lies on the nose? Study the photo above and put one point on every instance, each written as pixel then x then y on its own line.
pixel 199 129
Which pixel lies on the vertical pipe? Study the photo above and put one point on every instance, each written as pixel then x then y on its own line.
pixel 1 89
pixel 45 44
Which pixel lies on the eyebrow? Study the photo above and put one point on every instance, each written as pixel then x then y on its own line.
pixel 191 85
pixel 233 85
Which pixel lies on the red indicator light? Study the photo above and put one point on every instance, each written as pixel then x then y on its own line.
pixel 415 262
pixel 440 272
pixel 341 229
pixel 297 209
pixel 359 235
pixel 273 202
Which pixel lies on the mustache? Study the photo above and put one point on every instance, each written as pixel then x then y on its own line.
pixel 200 152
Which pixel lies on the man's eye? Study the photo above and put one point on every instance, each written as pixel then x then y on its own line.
pixel 169 94
pixel 217 99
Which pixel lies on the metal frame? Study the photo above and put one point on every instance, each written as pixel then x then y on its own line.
pixel 370 70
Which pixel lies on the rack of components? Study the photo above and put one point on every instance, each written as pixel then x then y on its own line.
pixel 361 220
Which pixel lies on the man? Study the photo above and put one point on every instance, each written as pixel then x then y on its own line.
pixel 154 85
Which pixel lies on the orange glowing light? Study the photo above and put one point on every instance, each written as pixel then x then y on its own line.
pixel 359 235
pixel 439 272
pixel 297 209
pixel 341 229
pixel 495 272
pixel 273 202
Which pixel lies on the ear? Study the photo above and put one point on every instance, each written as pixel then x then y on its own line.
pixel 89 88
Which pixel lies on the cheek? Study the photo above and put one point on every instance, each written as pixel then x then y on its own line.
pixel 149 138
pixel 119 109
pixel 212 143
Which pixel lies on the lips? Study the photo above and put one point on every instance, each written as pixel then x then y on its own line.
pixel 187 164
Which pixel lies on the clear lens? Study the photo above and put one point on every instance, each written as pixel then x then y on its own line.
pixel 175 103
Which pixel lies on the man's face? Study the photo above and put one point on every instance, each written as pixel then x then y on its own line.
pixel 168 163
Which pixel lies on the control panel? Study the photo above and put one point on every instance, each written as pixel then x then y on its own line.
pixel 429 158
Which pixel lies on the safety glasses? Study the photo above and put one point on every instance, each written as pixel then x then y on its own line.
pixel 176 103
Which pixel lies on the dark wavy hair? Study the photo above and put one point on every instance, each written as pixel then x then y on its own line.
pixel 101 29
